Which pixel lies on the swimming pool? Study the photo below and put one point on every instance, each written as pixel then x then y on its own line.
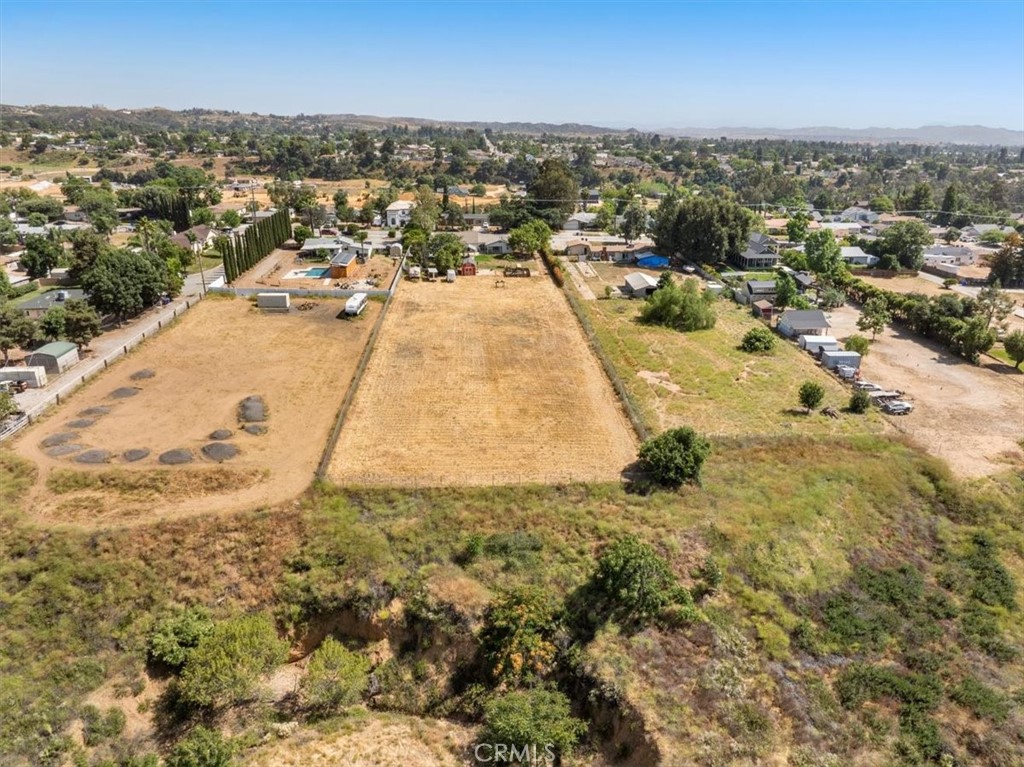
pixel 317 272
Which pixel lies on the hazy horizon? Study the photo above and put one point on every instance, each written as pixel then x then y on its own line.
pixel 650 66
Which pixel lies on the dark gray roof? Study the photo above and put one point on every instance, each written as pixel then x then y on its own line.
pixel 805 318
pixel 761 284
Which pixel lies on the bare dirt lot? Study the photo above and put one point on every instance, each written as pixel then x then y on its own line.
pixel 971 416
pixel 219 353
pixel 475 384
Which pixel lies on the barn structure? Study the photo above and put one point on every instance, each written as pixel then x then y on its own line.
pixel 56 357
pixel 468 267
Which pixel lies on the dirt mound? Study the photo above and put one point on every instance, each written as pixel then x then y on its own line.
pixel 142 374
pixel 220 451
pixel 252 409
pixel 93 456
pixel 81 423
pixel 221 434
pixel 135 454
pixel 59 450
pixel 124 392
pixel 91 412
pixel 59 439
pixel 176 457
pixel 256 429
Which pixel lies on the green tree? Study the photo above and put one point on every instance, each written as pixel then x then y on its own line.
pixel 951 205
pixel 101 207
pixel 15 330
pixel 225 666
pixel 705 229
pixel 951 235
pixel 920 200
pixel 230 218
pixel 335 677
pixel 796 227
pixel 904 243
pixel 874 316
pixel 530 721
pixel 81 323
pixel 1013 344
pixel 553 193
pixel 858 344
pixel 759 339
pixel 175 636
pixel 811 394
pixel 516 637
pixel 427 211
pixel 202 747
pixel 203 215
pixel 41 255
pixel 123 283
pixel 447 250
pixel 341 206
pixel 824 256
pixel 634 582
pixel 634 222
pixel 532 237
pixel 52 326
pixel 1007 264
pixel 785 290
pixel 301 233
pixel 86 247
pixel 973 338
pixel 682 307
pixel 993 304
pixel 674 457
pixel 8 406
pixel 882 204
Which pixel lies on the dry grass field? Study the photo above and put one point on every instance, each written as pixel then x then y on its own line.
pixel 219 353
pixel 377 740
pixel 473 384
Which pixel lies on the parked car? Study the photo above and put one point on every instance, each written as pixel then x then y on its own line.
pixel 867 386
pixel 897 407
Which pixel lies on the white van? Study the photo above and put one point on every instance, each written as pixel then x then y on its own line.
pixel 355 305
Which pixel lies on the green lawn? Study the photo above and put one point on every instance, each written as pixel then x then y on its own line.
pixel 722 390
pixel 999 353
pixel 209 262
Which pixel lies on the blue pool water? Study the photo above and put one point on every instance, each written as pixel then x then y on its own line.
pixel 317 272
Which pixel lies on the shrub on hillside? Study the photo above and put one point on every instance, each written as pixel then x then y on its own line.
pixel 201 748
pixel 226 664
pixel 635 583
pixel 531 721
pixel 174 637
pixel 336 677
pixel 759 339
pixel 682 307
pixel 860 401
pixel 857 343
pixel 516 638
pixel 811 394
pixel 674 457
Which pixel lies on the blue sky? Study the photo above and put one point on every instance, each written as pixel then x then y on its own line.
pixel 643 64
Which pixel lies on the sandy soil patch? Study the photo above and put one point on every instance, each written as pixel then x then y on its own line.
pixel 219 353
pixel 380 741
pixel 971 416
pixel 474 384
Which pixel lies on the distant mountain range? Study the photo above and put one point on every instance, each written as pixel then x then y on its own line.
pixel 160 118
pixel 928 134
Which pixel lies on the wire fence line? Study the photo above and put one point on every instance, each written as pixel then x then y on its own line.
pixel 93 368
pixel 357 377
pixel 632 409
pixel 444 479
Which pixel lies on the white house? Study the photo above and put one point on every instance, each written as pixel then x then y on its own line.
pixel 948 254
pixel 398 213
pixel 857 257
pixel 580 221
pixel 640 285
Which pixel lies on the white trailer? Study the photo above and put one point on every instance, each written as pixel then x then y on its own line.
pixel 814 344
pixel 830 360
pixel 355 305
